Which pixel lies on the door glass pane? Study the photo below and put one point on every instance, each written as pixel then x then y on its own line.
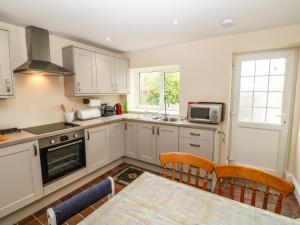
pixel 276 83
pixel 261 83
pixel 259 115
pixel 246 99
pixel 262 67
pixel 245 114
pixel 149 88
pixel 278 66
pixel 275 99
pixel 273 116
pixel 260 99
pixel 247 83
pixel 248 68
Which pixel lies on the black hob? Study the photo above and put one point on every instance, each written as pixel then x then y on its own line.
pixel 47 128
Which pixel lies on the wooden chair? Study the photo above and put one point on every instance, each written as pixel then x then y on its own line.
pixel 193 161
pixel 257 176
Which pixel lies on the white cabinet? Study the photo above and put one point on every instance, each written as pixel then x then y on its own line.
pixel 83 64
pixel 94 73
pixel 6 78
pixel 117 140
pixel 97 147
pixel 197 141
pixel 120 76
pixel 167 140
pixel 154 140
pixel 131 139
pixel 147 142
pixel 105 81
pixel 21 179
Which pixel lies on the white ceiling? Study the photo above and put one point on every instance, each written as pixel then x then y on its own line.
pixel 138 24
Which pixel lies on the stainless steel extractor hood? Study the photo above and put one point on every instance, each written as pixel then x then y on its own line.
pixel 38 52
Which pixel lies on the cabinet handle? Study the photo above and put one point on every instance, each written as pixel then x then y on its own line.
pixel 126 126
pixel 8 85
pixel 153 130
pixel 194 134
pixel 78 86
pixel 35 150
pixel 194 145
pixel 88 135
pixel 157 130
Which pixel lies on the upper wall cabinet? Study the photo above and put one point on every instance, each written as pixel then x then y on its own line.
pixel 95 73
pixel 6 78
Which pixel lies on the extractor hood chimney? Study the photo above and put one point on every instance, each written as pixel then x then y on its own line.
pixel 38 53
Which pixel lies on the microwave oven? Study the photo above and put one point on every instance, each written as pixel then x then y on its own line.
pixel 203 112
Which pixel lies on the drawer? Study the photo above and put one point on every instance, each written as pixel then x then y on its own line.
pixel 196 147
pixel 206 135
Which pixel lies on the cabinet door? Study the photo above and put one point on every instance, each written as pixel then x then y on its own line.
pixel 196 147
pixel 131 139
pixel 85 71
pixel 6 81
pixel 21 179
pixel 167 140
pixel 120 76
pixel 117 140
pixel 147 142
pixel 104 65
pixel 97 147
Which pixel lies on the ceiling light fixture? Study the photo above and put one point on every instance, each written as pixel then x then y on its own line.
pixel 107 39
pixel 175 22
pixel 228 22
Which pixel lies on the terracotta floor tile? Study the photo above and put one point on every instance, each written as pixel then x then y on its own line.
pixel 41 216
pixel 75 219
pixel 87 211
pixel 29 221
pixel 99 203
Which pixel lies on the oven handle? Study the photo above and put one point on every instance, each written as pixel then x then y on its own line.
pixel 62 146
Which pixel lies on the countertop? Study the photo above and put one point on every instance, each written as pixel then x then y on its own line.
pixel 23 136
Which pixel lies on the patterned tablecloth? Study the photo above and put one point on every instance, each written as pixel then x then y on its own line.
pixel 151 199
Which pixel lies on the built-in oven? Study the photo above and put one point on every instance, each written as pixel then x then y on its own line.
pixel 62 155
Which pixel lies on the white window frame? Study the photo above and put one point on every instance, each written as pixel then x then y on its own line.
pixel 162 71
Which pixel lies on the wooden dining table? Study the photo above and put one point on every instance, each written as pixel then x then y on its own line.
pixel 152 199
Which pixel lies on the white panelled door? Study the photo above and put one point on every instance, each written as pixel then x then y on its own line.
pixel 261 110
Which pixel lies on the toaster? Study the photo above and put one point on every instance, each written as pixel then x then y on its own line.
pixel 107 110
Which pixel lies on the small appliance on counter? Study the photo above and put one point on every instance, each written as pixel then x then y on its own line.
pixel 86 114
pixel 206 112
pixel 118 108
pixel 107 110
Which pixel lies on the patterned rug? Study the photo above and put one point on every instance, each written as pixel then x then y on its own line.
pixel 128 175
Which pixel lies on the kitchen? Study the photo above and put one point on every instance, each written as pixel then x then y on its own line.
pixel 131 138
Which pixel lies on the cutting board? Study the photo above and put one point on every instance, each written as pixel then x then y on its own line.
pixel 3 137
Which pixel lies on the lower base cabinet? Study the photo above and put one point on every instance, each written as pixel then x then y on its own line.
pixel 154 140
pixel 117 136
pixel 97 145
pixel 131 139
pixel 21 178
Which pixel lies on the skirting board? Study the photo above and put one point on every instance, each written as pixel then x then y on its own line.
pixel 293 179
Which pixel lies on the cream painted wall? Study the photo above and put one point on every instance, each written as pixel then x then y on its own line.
pixel 205 71
pixel 37 98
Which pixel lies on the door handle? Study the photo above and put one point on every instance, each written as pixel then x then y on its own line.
pixel 88 135
pixel 126 126
pixel 157 131
pixel 35 150
pixel 153 130
pixel 194 145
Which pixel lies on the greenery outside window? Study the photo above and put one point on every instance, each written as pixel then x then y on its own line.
pixel 157 87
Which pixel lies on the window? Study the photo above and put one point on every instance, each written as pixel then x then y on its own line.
pixel 261 90
pixel 157 87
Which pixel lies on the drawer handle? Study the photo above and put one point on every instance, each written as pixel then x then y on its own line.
pixel 194 145
pixel 35 150
pixel 194 134
pixel 153 130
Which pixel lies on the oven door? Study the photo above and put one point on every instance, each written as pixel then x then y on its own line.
pixel 60 160
pixel 199 113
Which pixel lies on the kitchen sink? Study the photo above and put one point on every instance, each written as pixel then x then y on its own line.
pixel 169 119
